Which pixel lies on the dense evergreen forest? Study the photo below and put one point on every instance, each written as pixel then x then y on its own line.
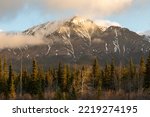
pixel 130 81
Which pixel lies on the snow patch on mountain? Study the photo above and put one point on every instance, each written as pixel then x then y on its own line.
pixel 49 48
pixel 116 42
pixel 106 47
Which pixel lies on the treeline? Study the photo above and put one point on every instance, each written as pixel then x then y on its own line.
pixel 76 81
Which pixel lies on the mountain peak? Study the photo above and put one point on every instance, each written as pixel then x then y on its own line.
pixel 78 25
pixel 79 20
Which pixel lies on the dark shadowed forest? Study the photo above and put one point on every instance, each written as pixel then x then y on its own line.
pixel 74 82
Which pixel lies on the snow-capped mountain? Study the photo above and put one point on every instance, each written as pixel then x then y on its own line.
pixel 81 26
pixel 79 40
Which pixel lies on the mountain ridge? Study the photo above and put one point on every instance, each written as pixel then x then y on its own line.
pixel 79 40
pixel 51 27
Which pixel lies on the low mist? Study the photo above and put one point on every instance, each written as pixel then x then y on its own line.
pixel 18 40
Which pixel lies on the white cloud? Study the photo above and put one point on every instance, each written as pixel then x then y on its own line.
pixel 107 23
pixel 94 8
pixel 13 41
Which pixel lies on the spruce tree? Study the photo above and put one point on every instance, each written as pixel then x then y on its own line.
pixel 0 68
pixel 64 77
pixel 25 80
pixel 112 75
pixel 34 69
pixel 146 84
pixel 124 78
pixel 96 72
pixel 1 79
pixel 5 77
pixel 60 82
pixel 10 82
pixel 74 80
pixel 41 83
pixel 60 76
pixel 106 79
pixel 82 81
pixel 41 78
pixel 131 69
pixel 10 78
pixel 48 80
pixel 12 94
pixel 141 73
pixel 5 70
pixel 69 79
pixel 131 78
pixel 142 67
pixel 34 86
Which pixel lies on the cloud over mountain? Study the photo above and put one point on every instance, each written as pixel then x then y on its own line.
pixel 10 8
pixel 107 23
pixel 89 7
pixel 15 41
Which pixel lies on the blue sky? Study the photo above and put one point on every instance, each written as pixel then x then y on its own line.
pixel 136 18
pixel 133 14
